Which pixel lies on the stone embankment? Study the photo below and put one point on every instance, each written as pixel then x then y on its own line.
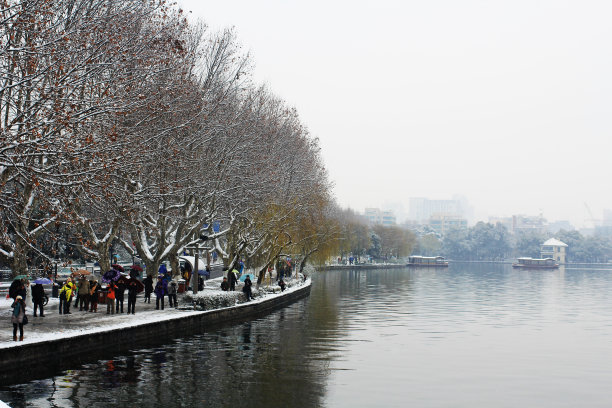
pixel 65 341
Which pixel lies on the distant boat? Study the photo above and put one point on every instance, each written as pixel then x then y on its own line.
pixel 427 261
pixel 535 263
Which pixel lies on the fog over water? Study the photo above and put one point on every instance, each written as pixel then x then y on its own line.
pixel 471 335
pixel 504 102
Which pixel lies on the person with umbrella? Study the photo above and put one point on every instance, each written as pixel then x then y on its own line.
pixel 83 293
pixel 232 278
pixel 38 296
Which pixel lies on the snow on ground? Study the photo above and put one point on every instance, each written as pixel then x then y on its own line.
pixel 55 326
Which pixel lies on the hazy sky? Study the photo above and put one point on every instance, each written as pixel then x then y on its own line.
pixel 508 103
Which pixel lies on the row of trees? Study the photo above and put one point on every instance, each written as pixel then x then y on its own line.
pixel 121 122
pixel 358 238
pixel 485 241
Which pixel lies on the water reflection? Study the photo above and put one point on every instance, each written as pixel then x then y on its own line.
pixel 471 335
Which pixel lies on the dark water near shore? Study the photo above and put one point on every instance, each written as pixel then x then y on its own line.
pixel 472 335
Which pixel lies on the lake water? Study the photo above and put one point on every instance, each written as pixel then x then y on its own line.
pixel 472 335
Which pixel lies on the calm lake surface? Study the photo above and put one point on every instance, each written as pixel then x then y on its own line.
pixel 471 335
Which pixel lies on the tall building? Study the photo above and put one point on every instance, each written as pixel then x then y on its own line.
pixel 421 209
pixel 376 216
pixel 536 223
pixel 441 223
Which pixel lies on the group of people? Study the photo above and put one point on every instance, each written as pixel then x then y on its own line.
pixel 85 292
pixel 229 283
pixel 163 287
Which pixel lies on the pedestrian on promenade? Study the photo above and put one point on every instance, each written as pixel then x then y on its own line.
pixel 119 296
pixel 94 294
pixel 75 293
pixel 38 294
pixel 66 296
pixel 232 278
pixel 282 285
pixel 148 284
pixel 83 293
pixel 225 285
pixel 132 288
pixel 27 294
pixel 172 294
pixel 17 317
pixel 110 298
pixel 247 288
pixel 161 289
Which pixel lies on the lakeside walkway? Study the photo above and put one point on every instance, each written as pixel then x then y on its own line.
pixel 55 326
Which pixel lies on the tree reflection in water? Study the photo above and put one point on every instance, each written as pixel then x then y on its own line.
pixel 273 361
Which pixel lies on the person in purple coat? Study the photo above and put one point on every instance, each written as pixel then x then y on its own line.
pixel 161 290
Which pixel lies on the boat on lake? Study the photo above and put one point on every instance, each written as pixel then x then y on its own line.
pixel 427 261
pixel 535 263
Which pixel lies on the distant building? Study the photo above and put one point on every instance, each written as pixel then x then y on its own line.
pixel 526 223
pixel 556 226
pixel 441 223
pixel 555 249
pixel 505 221
pixel 421 209
pixel 376 216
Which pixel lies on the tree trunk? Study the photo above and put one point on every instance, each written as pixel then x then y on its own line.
pixel 19 264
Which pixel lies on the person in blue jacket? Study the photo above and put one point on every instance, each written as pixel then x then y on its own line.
pixel 161 290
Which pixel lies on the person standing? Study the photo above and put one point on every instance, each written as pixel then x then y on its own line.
pixel 27 294
pixel 161 289
pixel 148 284
pixel 110 298
pixel 38 294
pixel 119 296
pixel 66 296
pixel 94 293
pixel 232 278
pixel 172 294
pixel 17 317
pixel 247 288
pixel 62 298
pixel 132 288
pixel 83 293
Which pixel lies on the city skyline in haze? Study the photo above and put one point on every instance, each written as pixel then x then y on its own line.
pixel 504 103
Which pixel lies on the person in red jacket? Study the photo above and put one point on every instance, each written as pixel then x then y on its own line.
pixel 110 298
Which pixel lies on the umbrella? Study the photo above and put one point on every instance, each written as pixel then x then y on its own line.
pixel 83 272
pixel 111 276
pixel 117 267
pixel 250 275
pixel 203 272
pixel 136 268
pixel 18 277
pixel 43 281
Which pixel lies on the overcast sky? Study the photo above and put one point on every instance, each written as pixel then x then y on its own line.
pixel 508 103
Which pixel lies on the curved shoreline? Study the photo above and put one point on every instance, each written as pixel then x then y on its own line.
pixel 26 361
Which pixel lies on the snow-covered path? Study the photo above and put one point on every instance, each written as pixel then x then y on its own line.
pixel 54 326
